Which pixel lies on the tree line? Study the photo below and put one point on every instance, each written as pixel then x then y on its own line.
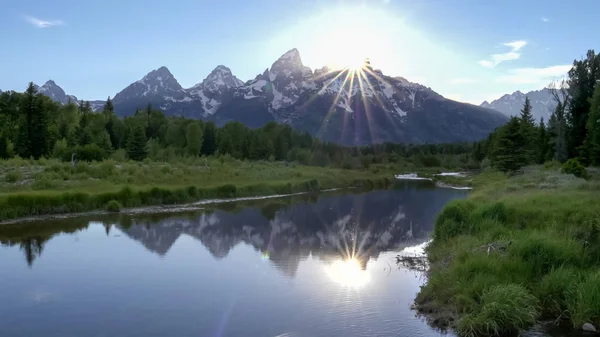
pixel 34 126
pixel 572 131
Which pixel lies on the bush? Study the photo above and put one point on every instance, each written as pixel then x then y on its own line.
pixel 61 150
pixel 90 152
pixel 113 206
pixel 13 176
pixel 574 167
pixel 583 302
pixel 505 310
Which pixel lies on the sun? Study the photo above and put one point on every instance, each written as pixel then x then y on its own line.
pixel 347 37
pixel 348 273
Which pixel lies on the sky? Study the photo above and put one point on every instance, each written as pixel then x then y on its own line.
pixel 467 50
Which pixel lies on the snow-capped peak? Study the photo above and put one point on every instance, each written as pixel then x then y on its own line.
pixel 159 81
pixel 56 93
pixel 220 78
pixel 288 62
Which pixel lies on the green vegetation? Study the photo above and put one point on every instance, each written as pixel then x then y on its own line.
pixel 573 130
pixel 114 206
pixel 521 248
pixel 50 186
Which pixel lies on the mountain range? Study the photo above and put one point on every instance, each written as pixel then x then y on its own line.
pixel 342 106
pixel 542 103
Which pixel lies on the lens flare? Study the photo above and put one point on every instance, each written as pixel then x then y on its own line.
pixel 348 273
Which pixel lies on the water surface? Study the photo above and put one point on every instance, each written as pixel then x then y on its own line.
pixel 297 266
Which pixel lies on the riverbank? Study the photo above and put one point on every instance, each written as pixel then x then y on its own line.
pixel 519 250
pixel 34 188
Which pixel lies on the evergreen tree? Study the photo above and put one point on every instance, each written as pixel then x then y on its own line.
pixel 209 145
pixel 33 129
pixel 3 147
pixel 583 77
pixel 108 107
pixel 136 144
pixel 28 106
pixel 508 147
pixel 527 129
pixel 593 128
pixel 543 143
pixel 194 139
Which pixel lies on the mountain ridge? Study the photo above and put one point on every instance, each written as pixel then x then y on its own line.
pixel 343 106
pixel 542 103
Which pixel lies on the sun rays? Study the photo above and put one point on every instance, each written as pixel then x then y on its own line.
pixel 368 86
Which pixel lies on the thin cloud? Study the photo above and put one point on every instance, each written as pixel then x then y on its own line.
pixel 545 19
pixel 513 54
pixel 541 76
pixel 39 23
pixel 463 81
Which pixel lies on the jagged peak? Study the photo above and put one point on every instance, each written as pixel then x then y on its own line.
pixel 50 83
pixel 290 54
pixel 290 60
pixel 221 76
pixel 162 71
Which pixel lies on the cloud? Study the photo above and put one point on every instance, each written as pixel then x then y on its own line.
pixel 545 19
pixel 541 76
pixel 43 23
pixel 463 81
pixel 513 54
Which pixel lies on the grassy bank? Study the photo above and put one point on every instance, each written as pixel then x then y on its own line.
pixel 519 250
pixel 49 187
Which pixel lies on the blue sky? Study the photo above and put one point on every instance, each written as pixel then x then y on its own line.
pixel 469 50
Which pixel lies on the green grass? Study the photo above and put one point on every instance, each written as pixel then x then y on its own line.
pixel 51 187
pixel 539 231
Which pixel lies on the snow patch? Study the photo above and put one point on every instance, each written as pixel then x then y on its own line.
pixel 344 105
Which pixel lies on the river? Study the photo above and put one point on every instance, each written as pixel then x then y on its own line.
pixel 307 265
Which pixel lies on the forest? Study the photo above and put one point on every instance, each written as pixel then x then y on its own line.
pixel 571 134
pixel 33 126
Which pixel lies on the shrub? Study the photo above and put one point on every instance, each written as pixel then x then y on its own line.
pixel 13 176
pixel 119 155
pixel 505 310
pixel 583 302
pixel 90 152
pixel 574 167
pixel 113 206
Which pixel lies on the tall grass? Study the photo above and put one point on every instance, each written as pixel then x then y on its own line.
pixel 534 238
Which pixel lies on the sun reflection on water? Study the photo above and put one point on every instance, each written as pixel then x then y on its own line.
pixel 348 273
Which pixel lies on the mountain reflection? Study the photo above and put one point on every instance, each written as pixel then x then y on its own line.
pixel 347 227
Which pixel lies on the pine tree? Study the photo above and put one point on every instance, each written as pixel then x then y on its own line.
pixel 136 144
pixel 508 148
pixel 3 147
pixel 527 129
pixel 108 107
pixel 33 129
pixel 582 80
pixel 542 142
pixel 27 106
pixel 593 128
pixel 209 145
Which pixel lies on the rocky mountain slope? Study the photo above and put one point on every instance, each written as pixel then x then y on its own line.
pixel 542 103
pixel 341 106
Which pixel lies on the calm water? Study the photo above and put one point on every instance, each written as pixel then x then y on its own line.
pixel 297 266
